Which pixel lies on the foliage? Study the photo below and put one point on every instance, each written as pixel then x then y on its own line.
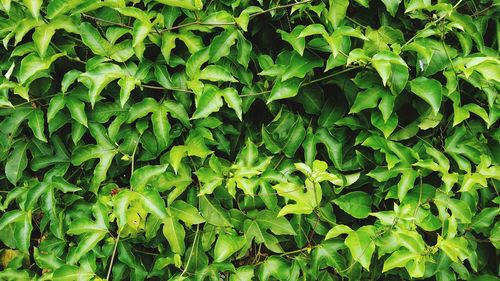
pixel 249 140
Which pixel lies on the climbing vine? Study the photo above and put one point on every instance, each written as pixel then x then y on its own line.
pixel 249 140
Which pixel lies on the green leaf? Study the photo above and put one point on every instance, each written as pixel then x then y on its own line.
pixel 209 102
pixel 195 61
pixel 417 5
pixel 277 225
pixel 455 248
pixel 141 177
pixel 221 44
pixel 233 100
pixel 32 67
pixel 337 11
pixel 174 232
pixel 161 127
pixel 295 38
pixel 299 66
pixel 92 39
pixel 226 245
pixel 458 208
pixel 398 259
pixel 177 111
pixel 85 245
pixel 34 7
pixel 104 150
pixel 284 90
pixel 42 36
pixel 326 255
pixel 186 4
pixel 388 126
pixel 305 201
pixel 141 109
pixel 361 246
pixel 391 6
pixel 392 69
pixel 185 212
pixel 47 260
pixel 77 110
pixel 71 272
pixel 367 99
pixel 275 266
pixel 212 211
pixel 357 204
pixel 411 240
pixel 295 139
pixel 98 78
pixel 406 183
pixel 216 73
pixel 192 42
pixel 243 273
pixel 16 163
pixel 429 90
pixel 168 44
pixel 23 233
pixel 11 217
pixel 127 84
pixel 37 124
pixel 152 202
pixel 484 219
pixel 244 48
pixel 58 7
pixel 69 78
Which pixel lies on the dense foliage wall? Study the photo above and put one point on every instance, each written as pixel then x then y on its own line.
pixel 249 140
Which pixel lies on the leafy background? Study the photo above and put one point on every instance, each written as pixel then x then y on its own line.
pixel 240 140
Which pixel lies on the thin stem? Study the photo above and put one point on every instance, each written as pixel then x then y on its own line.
pixel 144 252
pixel 279 7
pixel 119 230
pixel 133 156
pixel 299 250
pixel 415 213
pixel 427 26
pixel 307 83
pixel 192 248
pixel 305 249
pixel 113 255
pixel 107 21
pixel 483 10
pixel 329 76
pixel 366 248
pixel 256 94
pixel 196 23
pixel 355 22
pixel 35 99
pixel 163 88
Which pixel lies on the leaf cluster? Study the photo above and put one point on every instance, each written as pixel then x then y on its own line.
pixel 249 140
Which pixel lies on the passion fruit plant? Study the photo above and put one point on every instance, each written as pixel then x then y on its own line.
pixel 249 140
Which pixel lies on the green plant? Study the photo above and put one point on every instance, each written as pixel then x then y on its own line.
pixel 249 140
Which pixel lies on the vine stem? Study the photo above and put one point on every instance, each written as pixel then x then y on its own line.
pixel 191 252
pixel 298 251
pixel 427 26
pixel 197 22
pixel 119 229
pixel 113 255
pixel 330 76
pixel 163 88
pixel 107 21
pixel 32 100
pixel 307 83
pixel 483 10
pixel 279 7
